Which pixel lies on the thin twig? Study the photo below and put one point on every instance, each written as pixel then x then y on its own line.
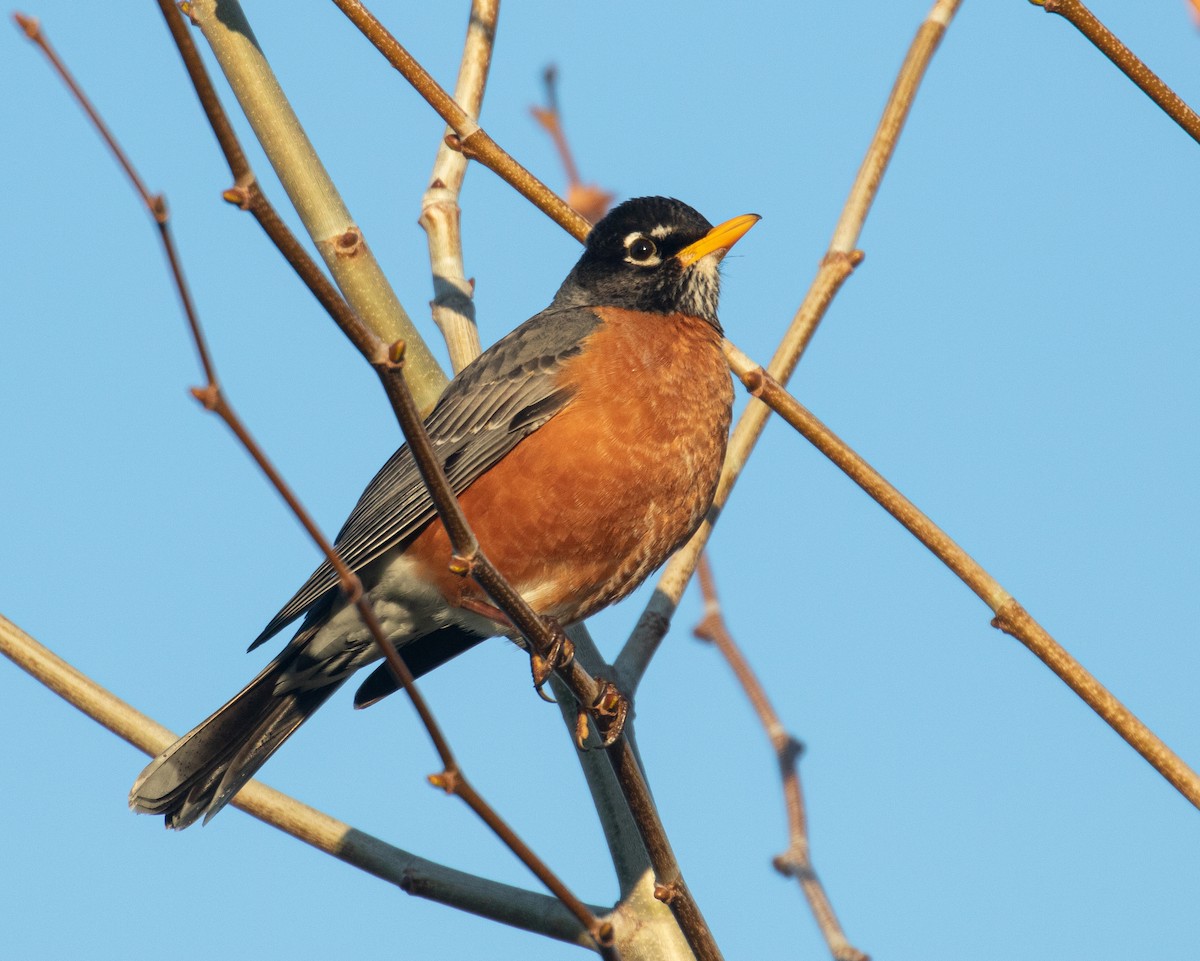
pixel 417 876
pixel 468 136
pixel 451 779
pixel 796 861
pixel 1010 616
pixel 589 200
pixel 338 238
pixel 1126 61
pixel 836 266
pixel 453 307
pixel 247 195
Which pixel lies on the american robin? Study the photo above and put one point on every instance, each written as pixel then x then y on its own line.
pixel 584 447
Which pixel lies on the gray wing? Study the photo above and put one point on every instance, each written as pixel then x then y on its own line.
pixel 502 397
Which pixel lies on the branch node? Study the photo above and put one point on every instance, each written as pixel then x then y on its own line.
pixel 186 9
pixel 667 893
pixel 396 352
pixel 446 780
pixel 349 244
pixel 209 395
pixel 462 566
pixel 158 209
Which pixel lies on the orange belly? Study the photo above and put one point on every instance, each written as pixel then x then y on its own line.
pixel 581 511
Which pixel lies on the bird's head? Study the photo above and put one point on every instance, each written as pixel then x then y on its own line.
pixel 653 254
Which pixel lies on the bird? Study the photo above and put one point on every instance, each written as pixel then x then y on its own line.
pixel 584 447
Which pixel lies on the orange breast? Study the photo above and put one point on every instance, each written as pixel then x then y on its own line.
pixel 580 512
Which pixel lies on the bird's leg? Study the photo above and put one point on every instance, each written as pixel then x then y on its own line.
pixel 560 653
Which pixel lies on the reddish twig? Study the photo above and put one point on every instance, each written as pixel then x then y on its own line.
pixel 795 861
pixel 1126 61
pixel 588 200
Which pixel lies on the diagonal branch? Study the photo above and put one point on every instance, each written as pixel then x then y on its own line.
pixel 836 266
pixel 338 239
pixel 451 779
pixel 415 875
pixel 468 136
pixel 1010 617
pixel 1126 61
pixel 796 861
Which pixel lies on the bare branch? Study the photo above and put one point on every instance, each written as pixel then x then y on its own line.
pixel 452 305
pixel 1126 61
pixel 468 136
pixel 796 861
pixel 836 266
pixel 338 238
pixel 528 910
pixel 1010 616
pixel 589 200
pixel 247 194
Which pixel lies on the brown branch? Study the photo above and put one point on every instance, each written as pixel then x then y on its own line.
pixel 247 195
pixel 796 861
pixel 451 779
pixel 1126 61
pixel 599 698
pixel 468 136
pixel 415 875
pixel 1010 616
pixel 338 238
pixel 836 266
pixel 452 306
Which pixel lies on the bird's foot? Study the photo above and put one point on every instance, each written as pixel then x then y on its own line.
pixel 560 654
pixel 610 708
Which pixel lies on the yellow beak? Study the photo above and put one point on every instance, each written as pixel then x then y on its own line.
pixel 718 240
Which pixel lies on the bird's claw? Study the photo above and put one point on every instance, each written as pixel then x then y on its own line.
pixel 610 709
pixel 559 655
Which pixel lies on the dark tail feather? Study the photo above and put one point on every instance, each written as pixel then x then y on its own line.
pixel 201 772
pixel 422 656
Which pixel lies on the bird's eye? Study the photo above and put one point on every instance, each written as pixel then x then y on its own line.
pixel 642 249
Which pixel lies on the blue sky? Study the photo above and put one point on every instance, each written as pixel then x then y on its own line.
pixel 1017 353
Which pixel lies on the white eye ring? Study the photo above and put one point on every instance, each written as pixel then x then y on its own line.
pixel 641 250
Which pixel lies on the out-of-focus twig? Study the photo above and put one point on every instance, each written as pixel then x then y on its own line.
pixel 589 200
pixel 1126 61
pixel 1010 617
pixel 796 861
pixel 453 306
pixel 836 266
pixel 468 136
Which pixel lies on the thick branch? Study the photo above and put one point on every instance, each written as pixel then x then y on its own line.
pixel 416 875
pixel 338 238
